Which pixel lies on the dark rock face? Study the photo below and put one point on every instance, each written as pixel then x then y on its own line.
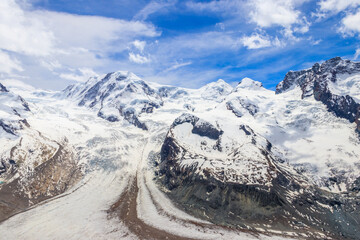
pixel 201 128
pixel 286 202
pixel 3 88
pixel 315 82
pixel 249 107
pixel 91 94
pixel 7 128
pixel 130 116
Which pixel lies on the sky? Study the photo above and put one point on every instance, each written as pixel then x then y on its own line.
pixel 50 44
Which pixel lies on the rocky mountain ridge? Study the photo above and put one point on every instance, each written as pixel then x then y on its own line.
pixel 317 82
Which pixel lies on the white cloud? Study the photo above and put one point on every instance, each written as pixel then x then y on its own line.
pixel 279 13
pixel 255 41
pixel 8 64
pixel 47 44
pixel 274 12
pixel 357 54
pixel 20 32
pixel 177 65
pixel 351 24
pixel 16 84
pixel 337 6
pixel 50 64
pixel 137 58
pixel 152 7
pixel 82 75
pixel 303 27
pixel 94 32
pixel 140 45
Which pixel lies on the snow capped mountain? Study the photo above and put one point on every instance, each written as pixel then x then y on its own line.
pixel 250 84
pixel 228 174
pixel 33 167
pixel 166 160
pixel 117 95
pixel 13 109
pixel 216 90
pixel 334 83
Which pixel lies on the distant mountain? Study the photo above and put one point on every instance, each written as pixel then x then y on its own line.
pixel 117 95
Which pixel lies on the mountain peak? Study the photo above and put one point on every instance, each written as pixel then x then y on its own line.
pixel 117 95
pixel 216 90
pixel 248 83
pixel 121 75
pixel 326 71
pixel 334 83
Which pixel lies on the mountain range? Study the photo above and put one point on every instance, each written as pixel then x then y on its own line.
pixel 118 157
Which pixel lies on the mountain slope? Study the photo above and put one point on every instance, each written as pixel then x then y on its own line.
pixel 334 83
pixel 33 167
pixel 13 109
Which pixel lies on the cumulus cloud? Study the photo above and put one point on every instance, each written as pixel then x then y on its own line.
pixel 20 32
pixel 40 39
pixel 137 58
pixel 350 24
pixel 140 45
pixel 264 14
pixel 336 6
pixel 256 41
pixel 274 12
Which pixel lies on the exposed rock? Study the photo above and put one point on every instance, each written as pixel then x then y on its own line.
pixel 315 82
pixel 269 193
pixel 3 88
pixel 240 106
pixel 54 175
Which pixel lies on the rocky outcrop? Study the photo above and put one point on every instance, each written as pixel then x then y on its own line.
pixel 240 107
pixel 315 82
pixel 267 194
pixel 3 88
pixel 52 174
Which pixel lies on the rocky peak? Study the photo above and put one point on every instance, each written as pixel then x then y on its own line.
pixel 323 82
pixel 326 71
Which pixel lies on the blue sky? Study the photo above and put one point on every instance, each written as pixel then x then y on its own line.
pixel 53 43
